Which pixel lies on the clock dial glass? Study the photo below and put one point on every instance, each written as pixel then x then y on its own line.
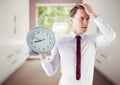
pixel 40 40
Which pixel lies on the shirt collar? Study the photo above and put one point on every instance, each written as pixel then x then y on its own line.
pixel 73 34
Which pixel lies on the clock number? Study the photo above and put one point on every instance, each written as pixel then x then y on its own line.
pixel 46 34
pixel 38 32
pixel 42 31
pixel 34 46
pixel 34 34
pixel 31 42
pixel 47 46
pixel 39 48
pixel 50 38
pixel 43 48
pixel 50 43
pixel 32 37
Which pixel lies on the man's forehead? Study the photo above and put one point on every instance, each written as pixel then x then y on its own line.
pixel 81 13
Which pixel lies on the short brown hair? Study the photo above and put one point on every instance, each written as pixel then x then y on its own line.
pixel 74 10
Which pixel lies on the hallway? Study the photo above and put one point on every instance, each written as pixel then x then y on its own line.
pixel 31 73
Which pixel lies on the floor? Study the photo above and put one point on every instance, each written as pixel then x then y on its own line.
pixel 31 73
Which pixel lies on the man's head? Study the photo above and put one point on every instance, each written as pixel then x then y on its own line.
pixel 79 19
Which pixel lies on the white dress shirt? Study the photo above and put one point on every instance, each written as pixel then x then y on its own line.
pixel 64 53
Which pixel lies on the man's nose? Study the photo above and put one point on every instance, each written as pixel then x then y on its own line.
pixel 85 22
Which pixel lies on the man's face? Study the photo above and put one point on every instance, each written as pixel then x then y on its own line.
pixel 80 21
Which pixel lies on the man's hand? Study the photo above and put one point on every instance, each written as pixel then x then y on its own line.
pixel 89 10
pixel 43 56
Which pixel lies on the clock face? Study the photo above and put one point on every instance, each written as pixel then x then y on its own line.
pixel 40 40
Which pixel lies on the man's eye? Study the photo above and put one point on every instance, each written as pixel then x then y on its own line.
pixel 81 18
pixel 87 19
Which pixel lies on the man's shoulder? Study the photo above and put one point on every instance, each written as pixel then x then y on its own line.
pixel 88 36
pixel 64 38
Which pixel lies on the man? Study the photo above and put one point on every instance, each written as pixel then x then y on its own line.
pixel 77 68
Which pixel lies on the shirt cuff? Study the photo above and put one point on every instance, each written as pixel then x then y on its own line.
pixel 98 19
pixel 45 61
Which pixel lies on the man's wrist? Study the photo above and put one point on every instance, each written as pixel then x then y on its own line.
pixel 94 15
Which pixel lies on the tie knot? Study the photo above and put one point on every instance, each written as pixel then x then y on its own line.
pixel 77 37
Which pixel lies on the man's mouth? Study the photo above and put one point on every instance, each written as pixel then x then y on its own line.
pixel 84 27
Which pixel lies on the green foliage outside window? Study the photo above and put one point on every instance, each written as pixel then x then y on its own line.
pixel 49 15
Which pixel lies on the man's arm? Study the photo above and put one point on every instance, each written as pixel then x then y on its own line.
pixel 107 35
pixel 50 62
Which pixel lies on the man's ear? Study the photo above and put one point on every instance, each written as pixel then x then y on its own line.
pixel 71 19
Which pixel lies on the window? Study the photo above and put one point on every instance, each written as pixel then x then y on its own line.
pixel 56 18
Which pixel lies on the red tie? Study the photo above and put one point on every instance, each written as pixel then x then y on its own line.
pixel 78 59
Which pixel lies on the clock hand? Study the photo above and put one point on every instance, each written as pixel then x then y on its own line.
pixel 39 40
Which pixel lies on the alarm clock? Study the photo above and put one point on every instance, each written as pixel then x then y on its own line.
pixel 40 40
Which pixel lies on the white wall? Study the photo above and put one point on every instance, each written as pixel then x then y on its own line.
pixel 108 58
pixel 14 25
